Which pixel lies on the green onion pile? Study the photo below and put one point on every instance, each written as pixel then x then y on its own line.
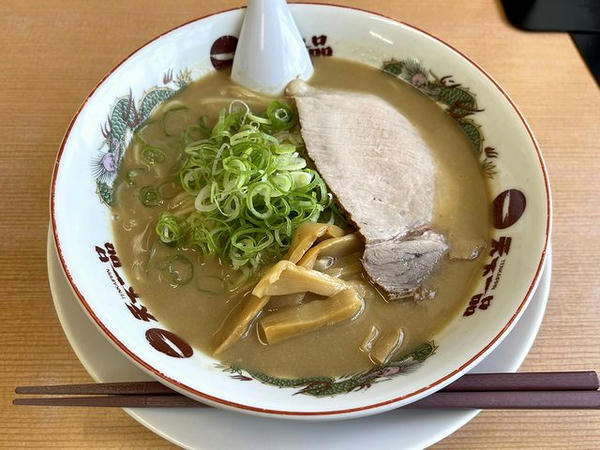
pixel 247 188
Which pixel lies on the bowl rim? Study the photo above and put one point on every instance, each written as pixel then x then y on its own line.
pixel 439 383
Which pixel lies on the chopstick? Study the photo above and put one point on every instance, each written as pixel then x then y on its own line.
pixel 512 400
pixel 523 390
pixel 526 381
pixel 125 388
pixel 118 401
pixel 453 400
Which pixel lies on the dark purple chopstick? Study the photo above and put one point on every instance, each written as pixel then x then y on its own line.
pixel 541 390
pixel 124 388
pixel 526 381
pixel 511 400
pixel 439 400
pixel 116 401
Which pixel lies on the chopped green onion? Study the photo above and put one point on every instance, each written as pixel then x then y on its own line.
pixel 194 133
pixel 281 115
pixel 251 240
pixel 285 148
pixel 153 155
pixel 259 196
pixel 301 179
pixel 231 207
pixel 291 163
pixel 179 270
pixel 236 279
pixel 169 229
pixel 250 189
pixel 210 284
pixel 203 202
pixel 176 106
pixel 149 196
pixel 283 182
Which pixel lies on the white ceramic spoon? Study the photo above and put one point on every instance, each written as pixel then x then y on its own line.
pixel 270 51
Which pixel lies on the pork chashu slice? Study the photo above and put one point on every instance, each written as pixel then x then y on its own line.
pixel 382 175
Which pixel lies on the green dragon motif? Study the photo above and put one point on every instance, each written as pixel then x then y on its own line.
pixel 327 386
pixel 125 116
pixel 120 117
pixel 152 98
pixel 104 192
pixel 458 101
pixel 473 132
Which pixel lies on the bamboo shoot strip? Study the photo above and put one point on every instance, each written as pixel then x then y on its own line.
pixel 297 320
pixel 306 235
pixel 351 269
pixel 281 279
pixel 287 278
pixel 386 346
pixel 236 325
pixel 336 247
pixel 370 339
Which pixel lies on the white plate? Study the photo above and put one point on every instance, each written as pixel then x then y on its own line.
pixel 216 428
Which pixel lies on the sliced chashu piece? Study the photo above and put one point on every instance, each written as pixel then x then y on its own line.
pixel 382 175
pixel 400 265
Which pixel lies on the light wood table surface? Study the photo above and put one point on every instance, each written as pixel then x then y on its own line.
pixel 52 53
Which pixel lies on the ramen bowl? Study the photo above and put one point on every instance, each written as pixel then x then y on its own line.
pixel 520 209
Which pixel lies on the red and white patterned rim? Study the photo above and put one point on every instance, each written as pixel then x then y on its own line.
pixel 185 388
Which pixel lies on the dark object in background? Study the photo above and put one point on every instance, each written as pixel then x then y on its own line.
pixel 581 18
pixel 588 45
pixel 554 15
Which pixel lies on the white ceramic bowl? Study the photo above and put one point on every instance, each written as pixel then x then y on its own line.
pixel 507 149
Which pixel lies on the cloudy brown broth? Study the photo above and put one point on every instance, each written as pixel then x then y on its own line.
pixel 196 314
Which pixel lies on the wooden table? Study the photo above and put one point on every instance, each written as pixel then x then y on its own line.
pixel 53 52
